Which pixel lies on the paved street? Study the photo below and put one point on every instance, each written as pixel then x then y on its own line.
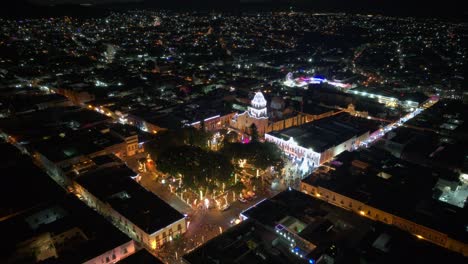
pixel 203 224
pixel 150 182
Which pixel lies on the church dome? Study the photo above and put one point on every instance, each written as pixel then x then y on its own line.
pixel 259 101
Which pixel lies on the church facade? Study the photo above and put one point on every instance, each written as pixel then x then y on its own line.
pixel 256 114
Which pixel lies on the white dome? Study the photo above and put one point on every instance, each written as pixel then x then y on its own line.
pixel 258 101
pixel 258 108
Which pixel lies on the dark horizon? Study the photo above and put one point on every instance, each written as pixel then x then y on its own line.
pixel 42 8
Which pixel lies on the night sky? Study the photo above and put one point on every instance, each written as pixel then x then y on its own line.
pixel 429 8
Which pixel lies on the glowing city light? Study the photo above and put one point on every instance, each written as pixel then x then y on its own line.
pixel 304 81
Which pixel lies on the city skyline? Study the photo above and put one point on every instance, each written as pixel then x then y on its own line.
pixel 448 9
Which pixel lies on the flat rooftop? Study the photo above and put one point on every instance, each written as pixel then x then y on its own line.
pixel 174 117
pixel 247 242
pixel 123 130
pixel 93 235
pixel 50 122
pixel 314 108
pixel 339 233
pixel 373 175
pixel 24 185
pixel 325 133
pixel 401 96
pixel 115 186
pixel 77 143
pixel 30 101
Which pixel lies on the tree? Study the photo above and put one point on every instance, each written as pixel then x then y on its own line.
pixel 163 141
pixel 254 132
pixel 237 150
pixel 198 167
pixel 231 137
pixel 238 187
pixel 265 155
pixel 260 155
pixel 195 137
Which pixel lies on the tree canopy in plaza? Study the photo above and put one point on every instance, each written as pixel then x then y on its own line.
pixel 197 166
pixel 260 154
pixel 173 138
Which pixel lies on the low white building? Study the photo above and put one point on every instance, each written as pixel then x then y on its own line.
pixel 319 141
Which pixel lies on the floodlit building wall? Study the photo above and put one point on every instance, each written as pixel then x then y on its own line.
pixel 216 122
pixel 115 254
pixel 376 214
pixel 292 148
pixel 243 122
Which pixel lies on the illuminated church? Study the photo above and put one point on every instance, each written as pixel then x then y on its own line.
pixel 256 114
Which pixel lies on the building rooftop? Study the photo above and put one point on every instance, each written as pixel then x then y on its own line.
pixel 325 133
pixel 315 109
pixel 77 143
pixel 115 186
pixel 197 110
pixel 401 96
pixel 123 130
pixel 372 176
pixel 247 242
pixel 21 179
pixel 32 126
pixel 30 101
pixel 330 232
pixel 89 235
